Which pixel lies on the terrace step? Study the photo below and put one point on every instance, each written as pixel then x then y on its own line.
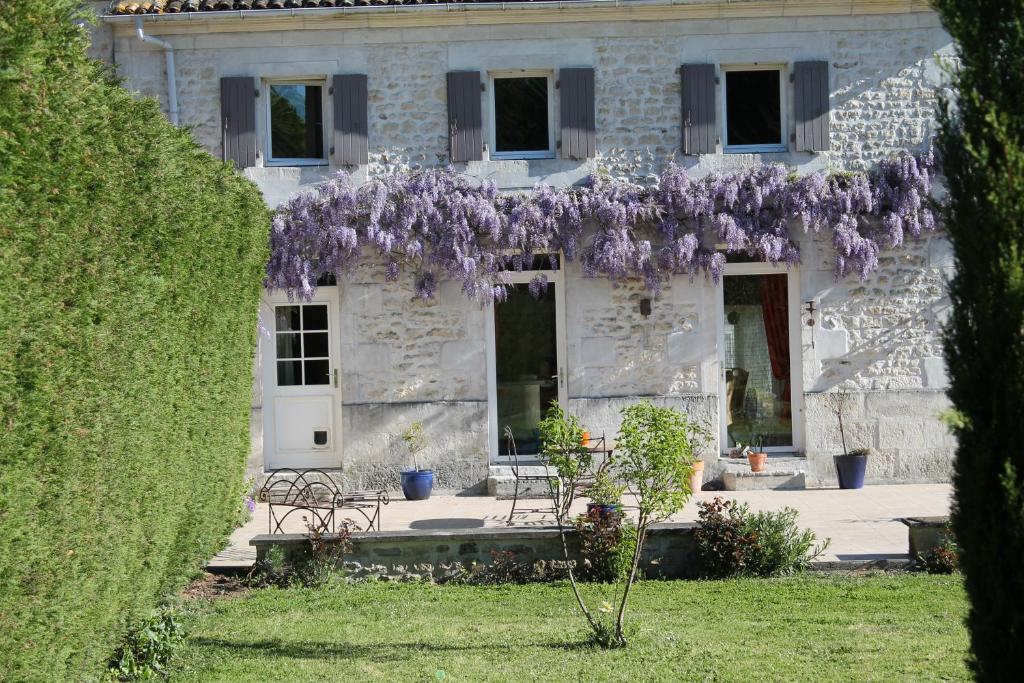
pixel 502 483
pixel 781 472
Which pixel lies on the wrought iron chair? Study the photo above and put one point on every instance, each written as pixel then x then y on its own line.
pixel 315 493
pixel 547 478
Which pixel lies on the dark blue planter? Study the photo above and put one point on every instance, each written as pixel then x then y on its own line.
pixel 606 510
pixel 850 470
pixel 417 484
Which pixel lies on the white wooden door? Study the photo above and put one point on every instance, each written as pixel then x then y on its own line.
pixel 301 393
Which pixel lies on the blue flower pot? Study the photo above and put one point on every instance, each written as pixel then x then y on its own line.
pixel 606 510
pixel 850 470
pixel 417 484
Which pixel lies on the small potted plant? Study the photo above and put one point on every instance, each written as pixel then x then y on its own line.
pixel 756 456
pixel 851 465
pixel 605 495
pixel 700 438
pixel 416 483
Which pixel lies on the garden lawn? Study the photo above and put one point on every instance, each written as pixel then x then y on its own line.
pixel 804 628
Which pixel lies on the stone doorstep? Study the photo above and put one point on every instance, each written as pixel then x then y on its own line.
pixel 760 481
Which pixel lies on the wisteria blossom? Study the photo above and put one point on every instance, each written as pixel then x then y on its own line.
pixel 439 224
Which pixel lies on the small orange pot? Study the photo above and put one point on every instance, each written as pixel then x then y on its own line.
pixel 585 439
pixel 697 477
pixel 757 461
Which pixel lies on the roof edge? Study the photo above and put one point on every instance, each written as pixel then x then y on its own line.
pixel 535 11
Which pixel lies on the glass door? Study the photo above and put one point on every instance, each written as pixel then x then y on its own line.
pixel 526 354
pixel 756 362
pixel 526 363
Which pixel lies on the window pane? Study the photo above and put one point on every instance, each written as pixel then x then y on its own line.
pixel 296 126
pixel 521 114
pixel 753 113
pixel 288 345
pixel 314 318
pixel 289 373
pixel 287 318
pixel 317 372
pixel 316 345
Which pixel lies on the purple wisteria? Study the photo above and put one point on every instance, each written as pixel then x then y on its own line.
pixel 440 224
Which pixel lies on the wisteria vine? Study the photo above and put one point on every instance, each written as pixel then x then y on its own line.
pixel 441 223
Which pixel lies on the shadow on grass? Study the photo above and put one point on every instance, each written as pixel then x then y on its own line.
pixel 383 652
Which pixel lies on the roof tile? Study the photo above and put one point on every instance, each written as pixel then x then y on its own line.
pixel 182 6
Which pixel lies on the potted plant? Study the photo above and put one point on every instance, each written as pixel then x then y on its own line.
pixel 604 494
pixel 416 483
pixel 757 457
pixel 851 465
pixel 700 437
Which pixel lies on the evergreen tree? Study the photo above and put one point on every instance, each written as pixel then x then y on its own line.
pixel 982 143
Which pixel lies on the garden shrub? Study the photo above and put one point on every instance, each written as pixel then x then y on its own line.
pixel 148 649
pixel 130 274
pixel 732 541
pixel 607 542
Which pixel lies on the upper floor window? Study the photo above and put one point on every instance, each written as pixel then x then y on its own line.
pixel 754 111
pixel 296 122
pixel 522 115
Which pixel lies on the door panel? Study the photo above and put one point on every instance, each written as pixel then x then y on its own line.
pixel 302 400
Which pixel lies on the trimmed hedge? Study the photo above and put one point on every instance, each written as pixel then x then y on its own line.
pixel 130 274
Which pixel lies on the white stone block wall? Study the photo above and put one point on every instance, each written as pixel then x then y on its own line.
pixel 404 360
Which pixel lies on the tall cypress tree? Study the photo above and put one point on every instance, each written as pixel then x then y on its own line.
pixel 982 143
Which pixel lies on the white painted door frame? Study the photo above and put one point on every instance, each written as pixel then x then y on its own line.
pixel 329 456
pixel 796 374
pixel 555 278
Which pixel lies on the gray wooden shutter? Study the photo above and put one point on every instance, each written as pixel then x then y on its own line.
pixel 465 122
pixel 699 135
pixel 576 105
pixel 810 89
pixel 350 120
pixel 238 120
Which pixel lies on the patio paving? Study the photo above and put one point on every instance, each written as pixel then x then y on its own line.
pixel 863 524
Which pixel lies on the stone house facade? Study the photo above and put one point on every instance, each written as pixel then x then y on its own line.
pixel 386 360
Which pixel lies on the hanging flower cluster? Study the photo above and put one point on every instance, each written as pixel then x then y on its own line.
pixel 442 224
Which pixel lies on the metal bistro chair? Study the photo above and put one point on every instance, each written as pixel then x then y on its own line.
pixel 315 493
pixel 547 478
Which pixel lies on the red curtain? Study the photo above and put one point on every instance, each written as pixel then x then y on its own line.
pixel 775 309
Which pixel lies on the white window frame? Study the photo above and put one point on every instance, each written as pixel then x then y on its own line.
pixel 548 153
pixel 271 160
pixel 796 375
pixel 783 110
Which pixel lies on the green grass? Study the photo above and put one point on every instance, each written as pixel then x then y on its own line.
pixel 816 628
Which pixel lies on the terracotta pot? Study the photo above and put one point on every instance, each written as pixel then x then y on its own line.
pixel 757 461
pixel 697 477
pixel 585 439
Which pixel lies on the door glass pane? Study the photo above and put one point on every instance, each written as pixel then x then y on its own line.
pixel 526 364
pixel 287 318
pixel 317 372
pixel 757 372
pixel 289 373
pixel 288 345
pixel 314 318
pixel 316 344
